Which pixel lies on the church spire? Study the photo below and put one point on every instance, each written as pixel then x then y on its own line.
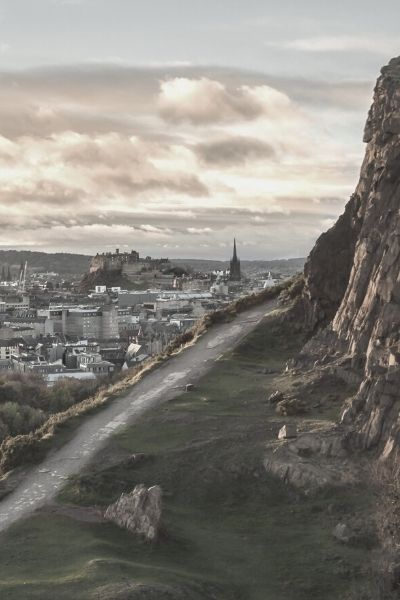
pixel 235 274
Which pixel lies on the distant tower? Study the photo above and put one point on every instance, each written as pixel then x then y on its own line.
pixel 235 274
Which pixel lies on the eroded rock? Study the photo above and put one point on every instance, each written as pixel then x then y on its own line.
pixel 352 278
pixel 342 533
pixel 275 397
pixel 287 431
pixel 291 407
pixel 139 511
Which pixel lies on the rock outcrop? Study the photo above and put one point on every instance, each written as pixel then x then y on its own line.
pixel 327 270
pixel 313 460
pixel 139 512
pixel 352 276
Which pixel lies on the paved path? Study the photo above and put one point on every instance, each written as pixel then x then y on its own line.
pixel 44 481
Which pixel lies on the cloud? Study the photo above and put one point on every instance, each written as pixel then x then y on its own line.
pixel 100 154
pixel 204 101
pixel 40 102
pixel 342 43
pixel 234 151
pixel 199 230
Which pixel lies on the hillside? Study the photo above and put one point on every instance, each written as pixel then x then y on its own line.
pixel 231 530
pixel 62 263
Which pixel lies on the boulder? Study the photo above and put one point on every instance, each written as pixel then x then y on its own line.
pixel 134 459
pixel 290 407
pixel 342 533
pixel 275 397
pixel 139 511
pixel 288 431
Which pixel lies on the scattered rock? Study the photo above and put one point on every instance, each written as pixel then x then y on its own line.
pixel 342 533
pixel 139 511
pixel 310 461
pixel 275 397
pixel 290 365
pixel 135 459
pixel 288 431
pixel 291 407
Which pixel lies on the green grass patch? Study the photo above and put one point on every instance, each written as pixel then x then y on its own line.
pixel 231 532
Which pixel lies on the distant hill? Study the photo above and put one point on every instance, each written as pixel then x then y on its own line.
pixel 288 266
pixel 63 263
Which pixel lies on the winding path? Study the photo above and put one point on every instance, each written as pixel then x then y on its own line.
pixel 43 482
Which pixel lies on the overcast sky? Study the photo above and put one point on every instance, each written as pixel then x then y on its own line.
pixel 170 126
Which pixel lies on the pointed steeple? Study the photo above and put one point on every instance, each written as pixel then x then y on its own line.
pixel 235 274
pixel 234 249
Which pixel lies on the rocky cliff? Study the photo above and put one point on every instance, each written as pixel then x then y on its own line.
pixel 352 277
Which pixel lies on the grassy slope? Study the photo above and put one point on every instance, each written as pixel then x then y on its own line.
pixel 231 531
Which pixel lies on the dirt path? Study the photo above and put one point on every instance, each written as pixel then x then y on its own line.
pixel 44 481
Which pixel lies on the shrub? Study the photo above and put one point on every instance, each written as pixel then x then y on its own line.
pixel 18 450
pixel 20 418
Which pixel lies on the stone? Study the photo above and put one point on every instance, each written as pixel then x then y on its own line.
pixel 275 397
pixel 135 459
pixel 342 533
pixel 288 431
pixel 189 387
pixel 139 511
pixel 291 407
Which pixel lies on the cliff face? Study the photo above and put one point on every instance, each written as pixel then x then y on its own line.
pixel 328 267
pixel 353 275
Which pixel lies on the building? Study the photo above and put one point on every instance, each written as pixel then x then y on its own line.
pixel 127 263
pixel 16 301
pixel 130 299
pixel 235 273
pixel 10 347
pixel 86 321
pixel 135 354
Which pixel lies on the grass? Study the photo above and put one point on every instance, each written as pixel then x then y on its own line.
pixel 231 532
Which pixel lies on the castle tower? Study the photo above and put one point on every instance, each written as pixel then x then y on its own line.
pixel 235 274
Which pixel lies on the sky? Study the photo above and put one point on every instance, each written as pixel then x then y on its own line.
pixel 171 126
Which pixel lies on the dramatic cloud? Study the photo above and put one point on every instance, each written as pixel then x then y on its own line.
pixel 204 101
pixel 174 160
pixel 234 151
